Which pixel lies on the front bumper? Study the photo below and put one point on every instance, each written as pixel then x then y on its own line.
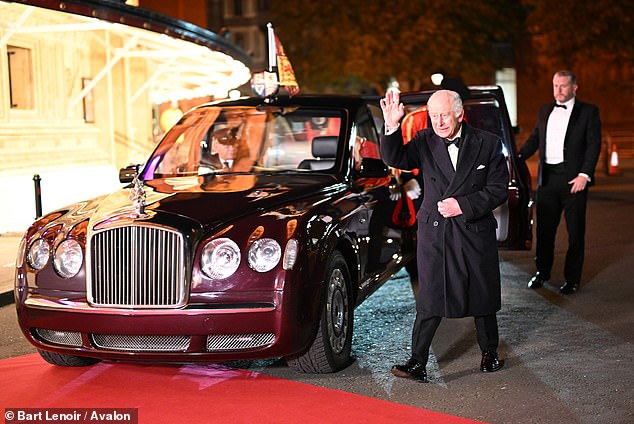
pixel 230 332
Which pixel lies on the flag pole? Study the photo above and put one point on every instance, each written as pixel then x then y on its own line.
pixel 271 41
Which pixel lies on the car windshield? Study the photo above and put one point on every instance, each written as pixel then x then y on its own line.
pixel 213 139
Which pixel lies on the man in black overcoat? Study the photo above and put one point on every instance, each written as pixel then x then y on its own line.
pixel 465 177
pixel 568 136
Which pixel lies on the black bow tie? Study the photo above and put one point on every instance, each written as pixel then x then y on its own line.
pixel 455 141
pixel 558 105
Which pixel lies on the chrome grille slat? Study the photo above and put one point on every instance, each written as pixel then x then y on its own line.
pixel 136 266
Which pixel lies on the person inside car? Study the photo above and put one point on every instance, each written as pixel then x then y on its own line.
pixel 229 151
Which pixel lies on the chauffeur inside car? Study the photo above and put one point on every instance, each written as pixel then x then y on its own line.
pixel 230 151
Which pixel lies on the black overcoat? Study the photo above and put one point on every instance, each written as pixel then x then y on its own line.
pixel 458 264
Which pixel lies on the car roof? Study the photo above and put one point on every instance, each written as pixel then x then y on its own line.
pixel 474 92
pixel 311 100
pixel 347 101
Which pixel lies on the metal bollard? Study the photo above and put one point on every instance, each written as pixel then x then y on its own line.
pixel 38 196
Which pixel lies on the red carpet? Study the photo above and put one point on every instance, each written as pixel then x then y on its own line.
pixel 194 394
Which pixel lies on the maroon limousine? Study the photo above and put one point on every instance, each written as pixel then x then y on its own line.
pixel 252 231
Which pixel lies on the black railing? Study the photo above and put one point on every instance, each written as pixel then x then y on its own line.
pixel 38 196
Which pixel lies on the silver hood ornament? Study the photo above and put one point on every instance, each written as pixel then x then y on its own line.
pixel 137 196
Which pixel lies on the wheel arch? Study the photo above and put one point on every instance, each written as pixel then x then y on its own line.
pixel 349 253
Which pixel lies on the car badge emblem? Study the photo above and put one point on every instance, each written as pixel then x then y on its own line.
pixel 137 196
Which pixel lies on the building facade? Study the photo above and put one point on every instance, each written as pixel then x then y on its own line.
pixel 81 95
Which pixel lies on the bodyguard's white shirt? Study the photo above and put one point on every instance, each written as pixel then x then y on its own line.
pixel 556 132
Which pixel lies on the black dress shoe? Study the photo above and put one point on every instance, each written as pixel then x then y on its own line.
pixel 491 362
pixel 412 369
pixel 568 288
pixel 537 281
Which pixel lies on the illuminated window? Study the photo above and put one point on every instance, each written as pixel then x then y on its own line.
pixel 20 77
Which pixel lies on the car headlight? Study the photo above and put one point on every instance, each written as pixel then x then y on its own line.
pixel 68 258
pixel 38 255
pixel 220 258
pixel 290 254
pixel 264 254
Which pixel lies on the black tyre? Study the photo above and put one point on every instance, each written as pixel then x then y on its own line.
pixel 63 360
pixel 331 349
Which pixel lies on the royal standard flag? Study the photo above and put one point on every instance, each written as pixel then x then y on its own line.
pixel 285 71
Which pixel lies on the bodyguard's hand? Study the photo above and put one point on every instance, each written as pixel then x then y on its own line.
pixel 578 184
pixel 392 108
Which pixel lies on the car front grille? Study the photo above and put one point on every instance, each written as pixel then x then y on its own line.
pixel 141 343
pixel 67 338
pixel 227 342
pixel 156 343
pixel 136 267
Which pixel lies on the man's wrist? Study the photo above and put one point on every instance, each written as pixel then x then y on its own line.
pixel 391 130
pixel 586 176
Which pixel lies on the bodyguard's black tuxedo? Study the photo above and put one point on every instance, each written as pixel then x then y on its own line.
pixel 582 146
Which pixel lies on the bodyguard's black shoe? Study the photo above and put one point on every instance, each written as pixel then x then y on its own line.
pixel 412 369
pixel 537 281
pixel 568 288
pixel 491 362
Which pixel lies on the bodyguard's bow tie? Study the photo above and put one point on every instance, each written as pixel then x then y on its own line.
pixel 558 105
pixel 455 141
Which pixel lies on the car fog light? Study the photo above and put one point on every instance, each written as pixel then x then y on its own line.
pixel 220 258
pixel 39 253
pixel 290 254
pixel 68 258
pixel 264 254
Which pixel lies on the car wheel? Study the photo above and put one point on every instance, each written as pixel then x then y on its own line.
pixel 331 349
pixel 63 360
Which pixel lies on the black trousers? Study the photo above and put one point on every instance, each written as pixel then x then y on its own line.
pixel 553 199
pixel 425 328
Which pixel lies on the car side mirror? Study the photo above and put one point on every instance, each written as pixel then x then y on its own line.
pixel 126 175
pixel 373 168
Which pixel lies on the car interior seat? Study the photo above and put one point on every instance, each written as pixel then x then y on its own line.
pixel 324 151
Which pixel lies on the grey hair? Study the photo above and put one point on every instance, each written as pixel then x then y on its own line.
pixel 456 100
pixel 565 73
